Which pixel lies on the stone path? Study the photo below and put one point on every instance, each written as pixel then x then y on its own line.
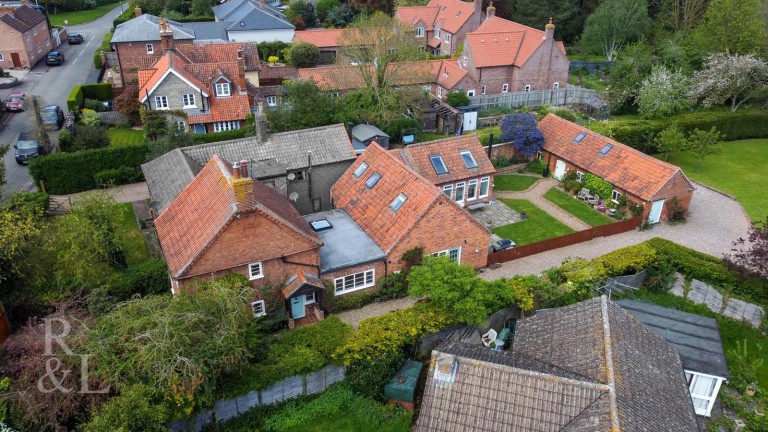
pixel 535 194
pixel 701 293
pixel 353 317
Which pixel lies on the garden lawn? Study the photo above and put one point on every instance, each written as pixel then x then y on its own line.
pixel 577 208
pixel 121 137
pixel 80 17
pixel 484 134
pixel 424 137
pixel 513 182
pixel 738 170
pixel 136 250
pixel 539 226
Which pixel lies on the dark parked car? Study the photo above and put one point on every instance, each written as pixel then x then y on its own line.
pixel 75 38
pixel 52 116
pixel 503 244
pixel 54 58
pixel 27 147
pixel 15 102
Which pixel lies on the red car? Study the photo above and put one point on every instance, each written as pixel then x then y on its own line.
pixel 15 102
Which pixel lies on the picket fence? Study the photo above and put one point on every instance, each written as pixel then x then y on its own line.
pixel 289 388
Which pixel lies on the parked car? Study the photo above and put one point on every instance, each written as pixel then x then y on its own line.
pixel 27 147
pixel 15 102
pixel 75 38
pixel 503 244
pixel 53 116
pixel 54 58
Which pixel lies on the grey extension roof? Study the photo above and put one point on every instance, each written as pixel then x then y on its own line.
pixel 345 244
pixel 582 368
pixel 364 132
pixel 696 338
pixel 168 175
pixel 146 27
pixel 208 31
pixel 251 15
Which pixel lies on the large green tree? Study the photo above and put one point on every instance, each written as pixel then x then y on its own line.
pixel 733 25
pixel 663 93
pixel 729 77
pixel 202 8
pixel 303 55
pixel 303 105
pixel 134 410
pixel 302 14
pixel 702 143
pixel 568 16
pixel 614 24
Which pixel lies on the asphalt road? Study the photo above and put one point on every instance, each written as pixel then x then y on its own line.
pixel 52 84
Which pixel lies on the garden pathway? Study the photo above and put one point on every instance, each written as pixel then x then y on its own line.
pixel 535 194
pixel 714 221
pixel 353 317
pixel 122 194
pixel 701 293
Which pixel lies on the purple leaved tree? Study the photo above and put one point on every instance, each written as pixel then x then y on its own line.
pixel 750 256
pixel 521 130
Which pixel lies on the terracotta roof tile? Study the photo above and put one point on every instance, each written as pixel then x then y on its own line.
pixel 321 38
pixel 370 207
pixel 235 107
pixel 348 77
pixel 624 167
pixel 221 53
pixel 451 74
pixel 500 42
pixel 169 61
pixel 413 15
pixel 298 280
pixel 418 157
pixel 452 14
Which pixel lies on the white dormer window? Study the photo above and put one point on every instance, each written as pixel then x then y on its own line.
pixel 505 88
pixel 188 100
pixel 150 49
pixel 223 90
pixel 419 31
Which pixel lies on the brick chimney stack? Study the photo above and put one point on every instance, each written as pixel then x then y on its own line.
pixel 242 186
pixel 549 30
pixel 261 4
pixel 166 35
pixel 137 11
pixel 261 124
pixel 490 11
pixel 478 7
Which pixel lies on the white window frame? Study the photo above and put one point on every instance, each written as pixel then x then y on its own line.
pixel 709 399
pixel 150 49
pixel 258 274
pixel 447 37
pixel 221 87
pixel 556 86
pixel 448 191
pixel 341 286
pixel 448 252
pixel 188 100
pixel 527 88
pixel 464 61
pixel 505 88
pixel 439 92
pixel 437 32
pixel 226 126
pixel 615 195
pixel 470 93
pixel 258 304
pixel 462 186
pixel 419 31
pixel 180 125
pixel 539 155
pixel 161 102
pixel 1 57
pixel 484 88
pixel 487 182
pixel 427 88
pixel 472 190
pixel 580 176
pixel 272 101
pixel 307 301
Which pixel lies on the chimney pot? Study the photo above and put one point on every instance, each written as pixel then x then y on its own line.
pixel 235 171
pixel 490 11
pixel 261 4
pixel 549 30
pixel 244 168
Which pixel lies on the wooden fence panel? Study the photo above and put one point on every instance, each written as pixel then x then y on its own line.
pixel 563 241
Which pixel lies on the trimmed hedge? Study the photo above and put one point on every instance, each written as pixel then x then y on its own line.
pixel 28 202
pixel 220 136
pixel 120 176
pixel 99 92
pixel 76 98
pixel 65 173
pixel 693 264
pixel 639 134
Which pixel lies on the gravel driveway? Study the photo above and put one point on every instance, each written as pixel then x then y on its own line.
pixel 353 317
pixel 714 222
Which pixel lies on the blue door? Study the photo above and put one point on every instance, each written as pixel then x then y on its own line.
pixel 297 307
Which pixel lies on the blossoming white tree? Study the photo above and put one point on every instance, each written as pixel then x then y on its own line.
pixel 663 93
pixel 731 77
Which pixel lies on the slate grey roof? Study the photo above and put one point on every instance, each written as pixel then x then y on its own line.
pixel 146 28
pixel 167 175
pixel 585 367
pixel 208 31
pixel 345 244
pixel 696 338
pixel 251 15
pixel 22 18
pixel 364 132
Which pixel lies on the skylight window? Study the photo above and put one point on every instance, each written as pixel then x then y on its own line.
pixel 398 202
pixel 438 164
pixel 361 169
pixel 579 137
pixel 321 225
pixel 372 180
pixel 469 160
pixel 606 148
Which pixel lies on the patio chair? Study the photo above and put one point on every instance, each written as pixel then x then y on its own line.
pixel 593 199
pixel 583 193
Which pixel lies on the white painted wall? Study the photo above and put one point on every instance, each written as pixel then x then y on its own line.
pixel 283 35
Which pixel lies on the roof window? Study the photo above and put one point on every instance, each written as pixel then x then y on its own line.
pixel 438 164
pixel 398 202
pixel 372 180
pixel 606 148
pixel 469 160
pixel 579 137
pixel 361 169
pixel 320 225
pixel 458 13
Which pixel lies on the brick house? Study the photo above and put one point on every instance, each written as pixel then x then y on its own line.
pixel 458 166
pixel 25 35
pixel 207 82
pixel 400 210
pixel 442 25
pixel 641 178
pixel 504 56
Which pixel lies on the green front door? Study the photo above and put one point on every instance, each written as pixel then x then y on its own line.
pixel 297 307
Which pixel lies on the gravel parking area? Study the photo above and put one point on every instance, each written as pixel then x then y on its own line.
pixel 714 222
pixel 353 317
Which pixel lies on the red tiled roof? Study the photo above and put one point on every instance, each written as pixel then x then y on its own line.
pixel 418 157
pixel 624 167
pixel 412 15
pixel 452 14
pixel 169 61
pixel 221 53
pixel 297 281
pixel 500 42
pixel 235 107
pixel 277 72
pixel 321 38
pixel 370 208
pixel 348 77
pixel 207 205
pixel 450 74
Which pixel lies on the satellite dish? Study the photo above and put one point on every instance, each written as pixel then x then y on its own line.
pixel 291 176
pixel 293 196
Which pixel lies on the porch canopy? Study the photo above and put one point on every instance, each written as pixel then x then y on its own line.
pixel 302 284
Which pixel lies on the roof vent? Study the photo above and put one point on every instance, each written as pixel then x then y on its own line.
pixel 458 13
pixel 445 368
pixel 495 40
pixel 242 24
pixel 506 39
